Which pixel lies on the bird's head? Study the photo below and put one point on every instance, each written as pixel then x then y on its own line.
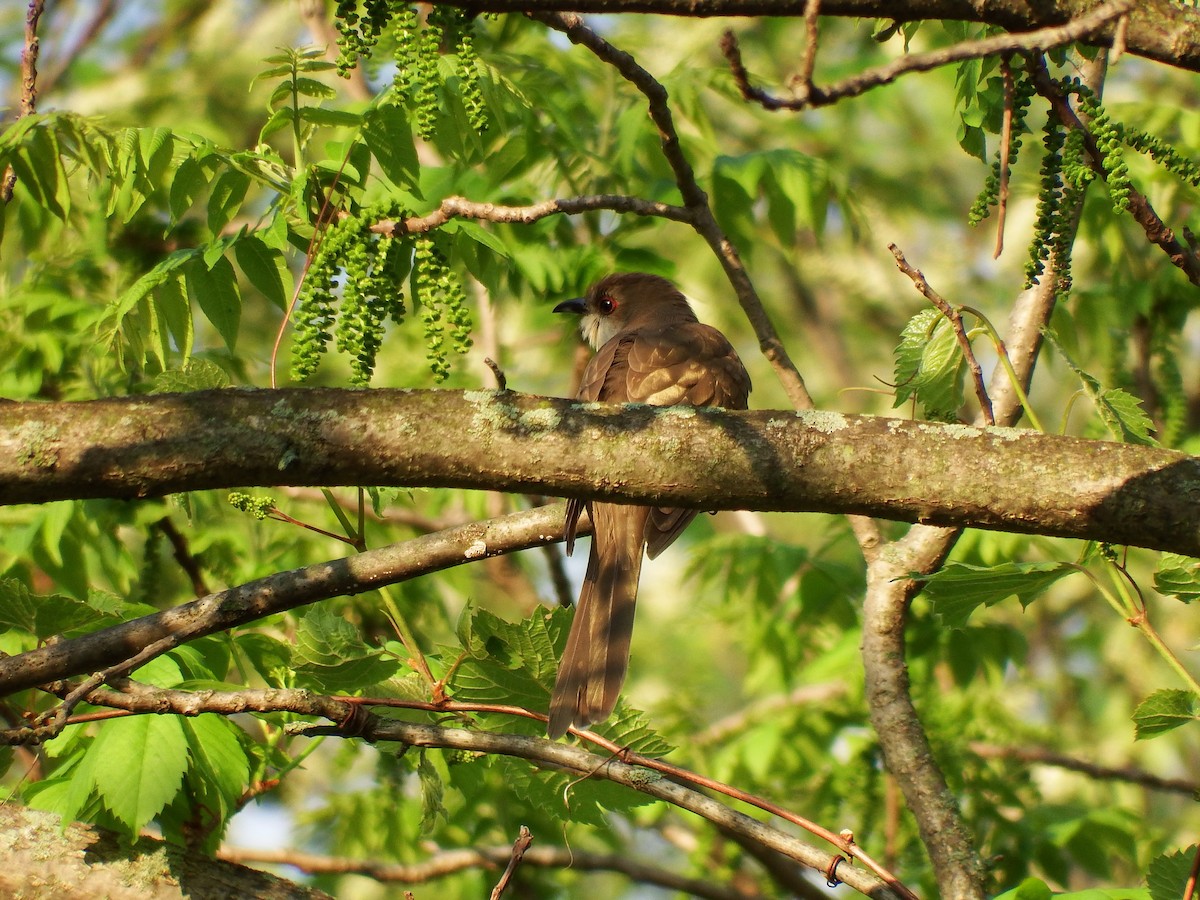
pixel 625 301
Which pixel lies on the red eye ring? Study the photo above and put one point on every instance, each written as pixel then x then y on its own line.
pixel 606 305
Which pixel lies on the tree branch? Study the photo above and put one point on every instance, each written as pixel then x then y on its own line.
pixel 450 862
pixel 704 459
pixel 808 95
pixel 1162 30
pixel 279 592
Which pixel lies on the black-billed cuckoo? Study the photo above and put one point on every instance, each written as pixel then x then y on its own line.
pixel 650 348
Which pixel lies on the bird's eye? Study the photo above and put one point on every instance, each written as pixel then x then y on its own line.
pixel 606 305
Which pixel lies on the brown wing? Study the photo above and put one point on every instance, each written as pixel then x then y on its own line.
pixel 679 363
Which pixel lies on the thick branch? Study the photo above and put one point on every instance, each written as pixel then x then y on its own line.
pixel 706 459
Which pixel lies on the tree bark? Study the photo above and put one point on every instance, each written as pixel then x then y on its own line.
pixel 82 862
pixel 995 478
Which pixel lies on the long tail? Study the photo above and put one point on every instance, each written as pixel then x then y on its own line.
pixel 594 663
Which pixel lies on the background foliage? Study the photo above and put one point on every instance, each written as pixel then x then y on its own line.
pixel 187 158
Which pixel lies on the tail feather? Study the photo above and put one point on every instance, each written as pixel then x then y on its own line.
pixel 596 658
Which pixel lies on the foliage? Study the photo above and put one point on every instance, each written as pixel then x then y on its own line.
pixel 167 255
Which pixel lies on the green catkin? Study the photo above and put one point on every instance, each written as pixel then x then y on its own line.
pixel 1162 153
pixel 259 507
pixel 405 28
pixel 1107 136
pixel 1049 205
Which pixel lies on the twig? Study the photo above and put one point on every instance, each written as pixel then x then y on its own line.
pixel 1042 757
pixel 520 845
pixel 1005 152
pixel 183 555
pixel 956 322
pixel 102 12
pixel 1189 890
pixel 700 214
pixel 450 862
pixel 501 380
pixel 462 208
pixel 28 104
pixel 280 592
pixel 802 83
pixel 1030 41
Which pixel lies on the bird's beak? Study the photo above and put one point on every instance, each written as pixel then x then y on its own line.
pixel 577 305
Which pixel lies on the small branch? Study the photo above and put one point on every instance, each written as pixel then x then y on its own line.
pixel 129 641
pixel 183 555
pixel 1129 774
pixel 450 862
pixel 1005 152
pixel 28 103
pixel 520 845
pixel 102 12
pixel 462 208
pixel 956 322
pixel 1032 41
pixel 643 774
pixel 700 214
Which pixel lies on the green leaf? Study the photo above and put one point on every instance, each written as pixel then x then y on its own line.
pixel 1119 410
pixel 139 766
pixel 190 179
pixel 43 616
pixel 1168 874
pixel 1178 576
pixel 265 268
pixel 225 199
pixel 194 375
pixel 310 87
pixel 432 792
pixel 1029 889
pixel 930 366
pixel 958 589
pixel 171 299
pixel 165 270
pixel 330 118
pixel 216 292
pixel 330 654
pixel 217 755
pixel 1163 711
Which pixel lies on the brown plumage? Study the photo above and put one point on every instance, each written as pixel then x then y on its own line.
pixel 649 349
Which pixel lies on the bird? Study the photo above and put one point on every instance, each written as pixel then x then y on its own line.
pixel 650 348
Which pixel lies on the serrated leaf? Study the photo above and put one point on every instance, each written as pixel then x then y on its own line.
pixel 165 269
pixel 930 366
pixel 215 291
pixel 265 268
pixel 310 87
pixel 1168 874
pixel 329 118
pixel 217 755
pixel 1119 410
pixel 325 639
pixel 139 766
pixel 1163 711
pixel 1178 576
pixel 194 375
pixel 330 655
pixel 432 792
pixel 958 589
pixel 1124 417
